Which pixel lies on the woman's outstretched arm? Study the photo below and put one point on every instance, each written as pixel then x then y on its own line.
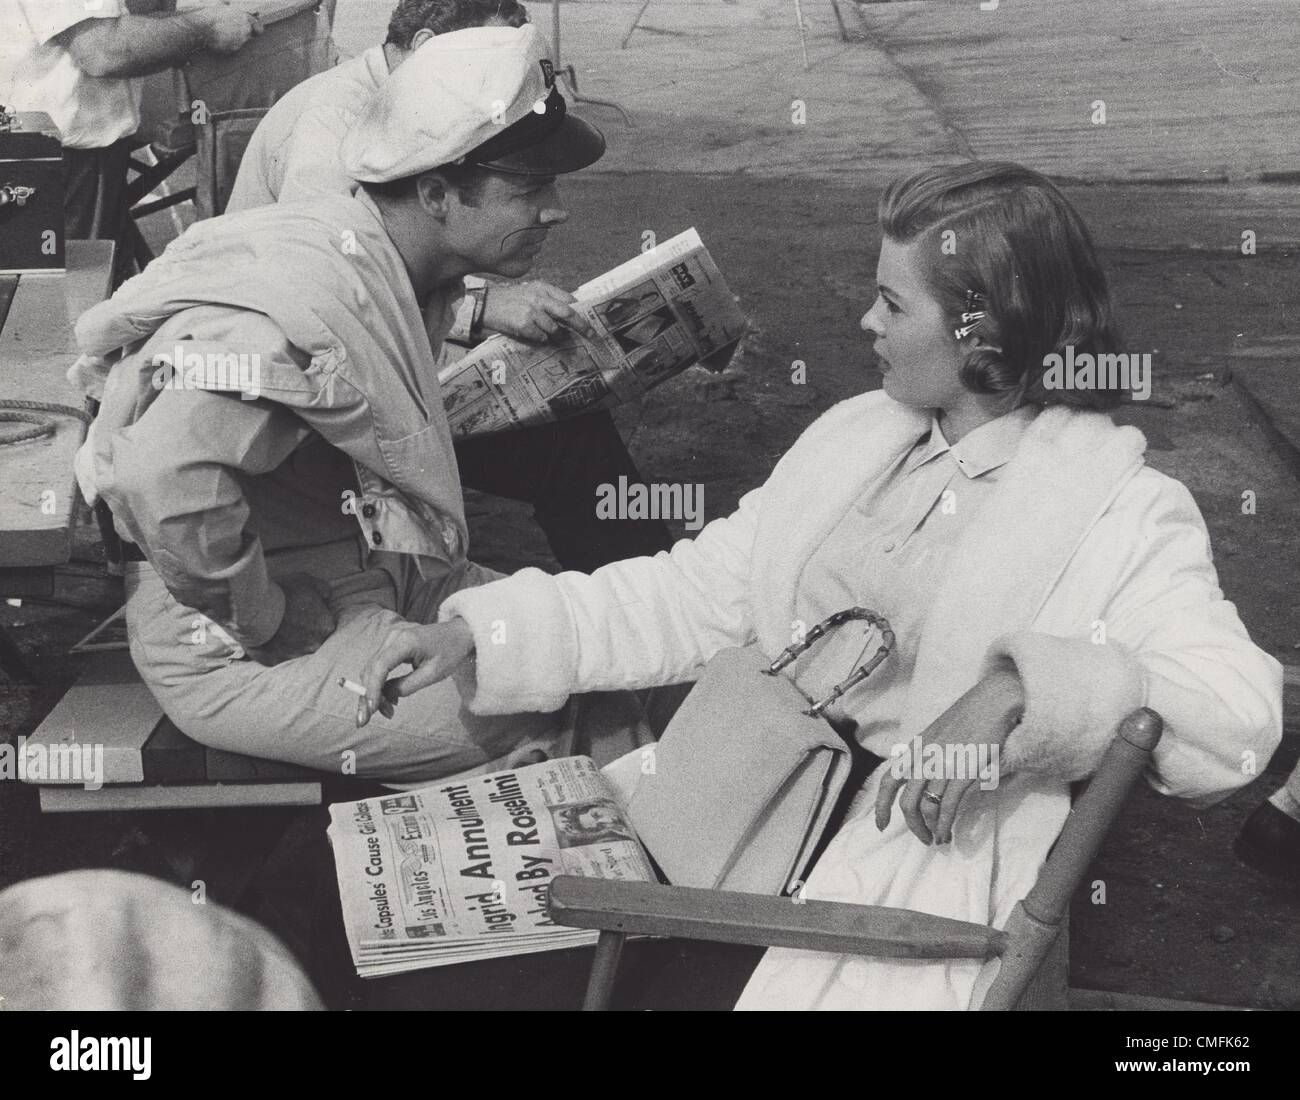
pixel 535 639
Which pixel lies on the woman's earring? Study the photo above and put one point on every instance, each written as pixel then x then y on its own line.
pixel 973 316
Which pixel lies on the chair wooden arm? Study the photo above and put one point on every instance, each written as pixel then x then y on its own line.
pixel 646 908
pixel 619 909
pixel 1036 920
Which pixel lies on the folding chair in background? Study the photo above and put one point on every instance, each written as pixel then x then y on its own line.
pixel 209 108
pixel 1033 946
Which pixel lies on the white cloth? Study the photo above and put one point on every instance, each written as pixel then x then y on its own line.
pixel 1077 533
pixel 37 74
pixel 294 156
pixel 335 286
pixel 885 554
pixel 294 153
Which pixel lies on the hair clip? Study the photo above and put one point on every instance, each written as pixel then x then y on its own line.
pixel 972 318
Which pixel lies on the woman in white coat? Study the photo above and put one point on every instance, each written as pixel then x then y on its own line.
pixel 1040 580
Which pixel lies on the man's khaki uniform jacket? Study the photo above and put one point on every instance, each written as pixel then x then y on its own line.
pixel 349 355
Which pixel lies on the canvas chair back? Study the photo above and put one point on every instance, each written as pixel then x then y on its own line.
pixel 213 104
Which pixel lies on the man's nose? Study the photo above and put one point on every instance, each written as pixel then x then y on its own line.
pixel 871 320
pixel 552 212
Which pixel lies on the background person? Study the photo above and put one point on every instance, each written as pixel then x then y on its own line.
pixel 103 941
pixel 1270 839
pixel 294 153
pixel 80 62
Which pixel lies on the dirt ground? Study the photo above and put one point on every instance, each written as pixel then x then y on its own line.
pixel 1181 917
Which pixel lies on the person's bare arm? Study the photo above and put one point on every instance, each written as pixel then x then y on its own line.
pixel 136 45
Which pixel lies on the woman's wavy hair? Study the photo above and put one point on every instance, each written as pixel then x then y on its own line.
pixel 1016 241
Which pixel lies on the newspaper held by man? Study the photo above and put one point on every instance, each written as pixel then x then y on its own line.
pixel 460 869
pixel 655 315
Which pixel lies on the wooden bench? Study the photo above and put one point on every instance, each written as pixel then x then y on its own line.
pixel 143 761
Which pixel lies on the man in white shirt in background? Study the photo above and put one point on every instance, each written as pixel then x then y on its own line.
pixel 79 61
pixel 295 152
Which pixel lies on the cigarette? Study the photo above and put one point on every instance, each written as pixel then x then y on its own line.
pixel 352 686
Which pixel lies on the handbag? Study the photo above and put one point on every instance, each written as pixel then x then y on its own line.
pixel 741 786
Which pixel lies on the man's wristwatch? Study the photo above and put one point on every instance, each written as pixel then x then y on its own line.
pixel 480 304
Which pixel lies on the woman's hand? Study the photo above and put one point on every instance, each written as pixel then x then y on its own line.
pixel 984 716
pixel 435 651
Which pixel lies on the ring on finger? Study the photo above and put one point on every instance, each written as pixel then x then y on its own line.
pixel 930 796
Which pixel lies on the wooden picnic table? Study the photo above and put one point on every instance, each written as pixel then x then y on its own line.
pixel 38 488
pixel 39 502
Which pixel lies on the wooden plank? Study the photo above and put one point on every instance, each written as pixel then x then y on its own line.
pixel 37 347
pixel 171 757
pixel 1090 818
pixel 8 284
pixel 178 797
pixel 641 908
pixel 230 767
pixel 109 706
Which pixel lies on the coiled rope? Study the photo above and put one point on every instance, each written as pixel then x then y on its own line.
pixel 27 412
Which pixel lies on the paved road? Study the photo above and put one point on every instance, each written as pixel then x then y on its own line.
pixel 1194 90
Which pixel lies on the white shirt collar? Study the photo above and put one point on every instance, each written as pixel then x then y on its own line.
pixel 985 448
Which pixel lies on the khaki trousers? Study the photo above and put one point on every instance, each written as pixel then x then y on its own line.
pixel 295 711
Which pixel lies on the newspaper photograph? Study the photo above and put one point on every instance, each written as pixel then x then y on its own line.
pixel 656 315
pixel 460 870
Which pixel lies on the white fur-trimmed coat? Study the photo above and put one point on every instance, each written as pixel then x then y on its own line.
pixel 1078 533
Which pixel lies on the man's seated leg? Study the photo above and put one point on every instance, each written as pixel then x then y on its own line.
pixel 95 199
pixel 559 468
pixel 296 711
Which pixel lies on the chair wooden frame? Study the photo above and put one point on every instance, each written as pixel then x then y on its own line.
pixel 1032 947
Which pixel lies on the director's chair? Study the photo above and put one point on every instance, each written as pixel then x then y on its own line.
pixel 1032 947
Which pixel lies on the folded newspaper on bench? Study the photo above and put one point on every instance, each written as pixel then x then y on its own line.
pixel 460 870
pixel 657 314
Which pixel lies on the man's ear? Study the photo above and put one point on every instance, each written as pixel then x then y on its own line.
pixel 435 194
pixel 420 37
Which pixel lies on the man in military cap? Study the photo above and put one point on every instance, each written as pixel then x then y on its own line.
pixel 286 514
pixel 295 156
